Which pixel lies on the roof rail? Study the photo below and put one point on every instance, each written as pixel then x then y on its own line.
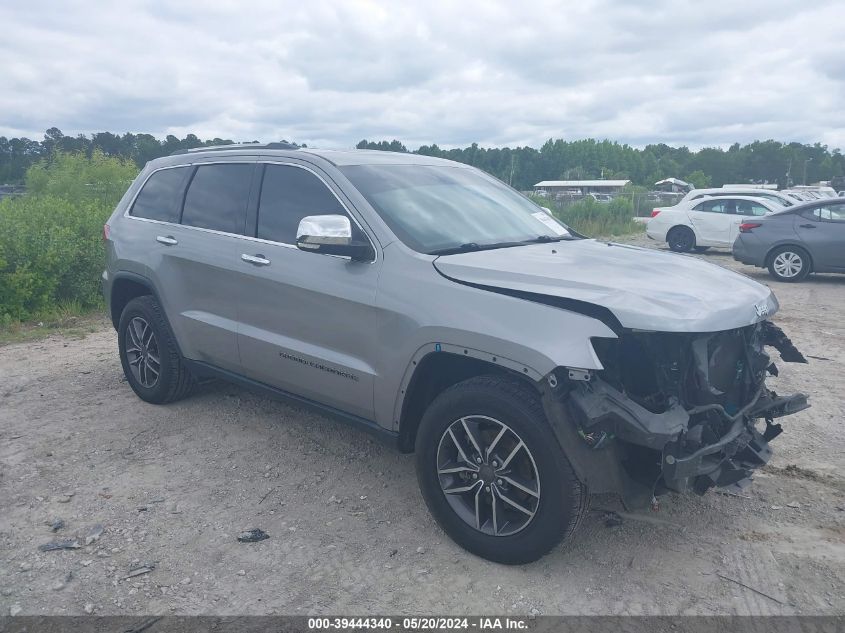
pixel 230 146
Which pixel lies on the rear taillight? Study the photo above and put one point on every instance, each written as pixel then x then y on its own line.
pixel 746 227
pixel 106 232
pixel 655 212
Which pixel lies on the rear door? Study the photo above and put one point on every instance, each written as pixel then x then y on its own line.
pixel 745 210
pixel 198 269
pixel 712 221
pixel 822 229
pixel 308 320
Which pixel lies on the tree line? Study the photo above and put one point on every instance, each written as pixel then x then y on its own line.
pixel 786 164
pixel 557 159
pixel 17 155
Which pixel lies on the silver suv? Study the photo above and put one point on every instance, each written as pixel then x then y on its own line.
pixel 526 365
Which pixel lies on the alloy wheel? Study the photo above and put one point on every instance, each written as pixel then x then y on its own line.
pixel 788 264
pixel 488 475
pixel 142 352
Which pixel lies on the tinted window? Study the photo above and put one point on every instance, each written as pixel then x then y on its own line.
pixel 217 198
pixel 288 194
pixel 161 196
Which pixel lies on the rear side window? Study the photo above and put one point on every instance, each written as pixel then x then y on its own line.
pixel 829 213
pixel 161 196
pixel 713 206
pixel 289 194
pixel 217 198
pixel 746 207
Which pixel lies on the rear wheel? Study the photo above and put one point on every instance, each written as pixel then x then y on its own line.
pixel 493 474
pixel 151 361
pixel 681 239
pixel 789 263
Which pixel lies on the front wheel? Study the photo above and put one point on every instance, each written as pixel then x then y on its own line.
pixel 789 263
pixel 493 474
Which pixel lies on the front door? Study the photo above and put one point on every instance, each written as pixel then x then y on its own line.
pixel 744 211
pixel 307 320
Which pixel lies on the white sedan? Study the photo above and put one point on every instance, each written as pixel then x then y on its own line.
pixel 699 224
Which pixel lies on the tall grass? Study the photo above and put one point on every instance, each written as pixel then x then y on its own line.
pixel 597 219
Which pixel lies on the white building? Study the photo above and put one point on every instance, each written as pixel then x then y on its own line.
pixel 581 186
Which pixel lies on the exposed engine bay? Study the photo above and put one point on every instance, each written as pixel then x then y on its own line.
pixel 677 411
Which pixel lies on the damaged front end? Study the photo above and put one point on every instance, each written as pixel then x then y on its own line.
pixel 673 411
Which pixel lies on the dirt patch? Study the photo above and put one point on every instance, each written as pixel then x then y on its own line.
pixel 174 487
pixel 792 470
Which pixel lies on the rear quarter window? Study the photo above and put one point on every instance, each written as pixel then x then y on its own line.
pixel 828 213
pixel 161 196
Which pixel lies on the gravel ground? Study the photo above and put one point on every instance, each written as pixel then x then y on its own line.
pixel 173 486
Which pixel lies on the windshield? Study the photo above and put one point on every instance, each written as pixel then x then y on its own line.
pixel 775 199
pixel 442 209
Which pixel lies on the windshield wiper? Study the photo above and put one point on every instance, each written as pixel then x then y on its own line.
pixel 472 246
pixel 542 239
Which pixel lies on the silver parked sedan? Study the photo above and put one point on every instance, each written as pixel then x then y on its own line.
pixel 793 243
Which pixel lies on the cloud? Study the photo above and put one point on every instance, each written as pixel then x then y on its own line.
pixel 330 74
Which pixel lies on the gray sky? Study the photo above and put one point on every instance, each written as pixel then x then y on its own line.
pixel 496 72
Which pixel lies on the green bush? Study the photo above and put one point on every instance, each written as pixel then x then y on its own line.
pixel 77 178
pixel 51 250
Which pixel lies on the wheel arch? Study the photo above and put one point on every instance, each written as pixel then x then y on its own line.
pixel 688 227
pixel 124 287
pixel 436 368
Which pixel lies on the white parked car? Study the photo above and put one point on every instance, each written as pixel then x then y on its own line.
pixel 767 194
pixel 702 223
pixel 819 192
pixel 799 196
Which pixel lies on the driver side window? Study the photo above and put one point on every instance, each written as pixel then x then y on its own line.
pixel 289 194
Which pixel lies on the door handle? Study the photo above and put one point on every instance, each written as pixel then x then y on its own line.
pixel 258 260
pixel 807 226
pixel 169 240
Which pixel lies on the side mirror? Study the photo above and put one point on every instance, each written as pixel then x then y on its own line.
pixel 331 235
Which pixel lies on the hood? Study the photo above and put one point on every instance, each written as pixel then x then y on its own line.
pixel 643 288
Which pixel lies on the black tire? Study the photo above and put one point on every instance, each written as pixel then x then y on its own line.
pixel 681 239
pixel 782 262
pixel 173 381
pixel 561 501
pixel 700 249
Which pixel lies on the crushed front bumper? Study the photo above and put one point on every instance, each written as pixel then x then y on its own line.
pixel 730 460
pixel 643 444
